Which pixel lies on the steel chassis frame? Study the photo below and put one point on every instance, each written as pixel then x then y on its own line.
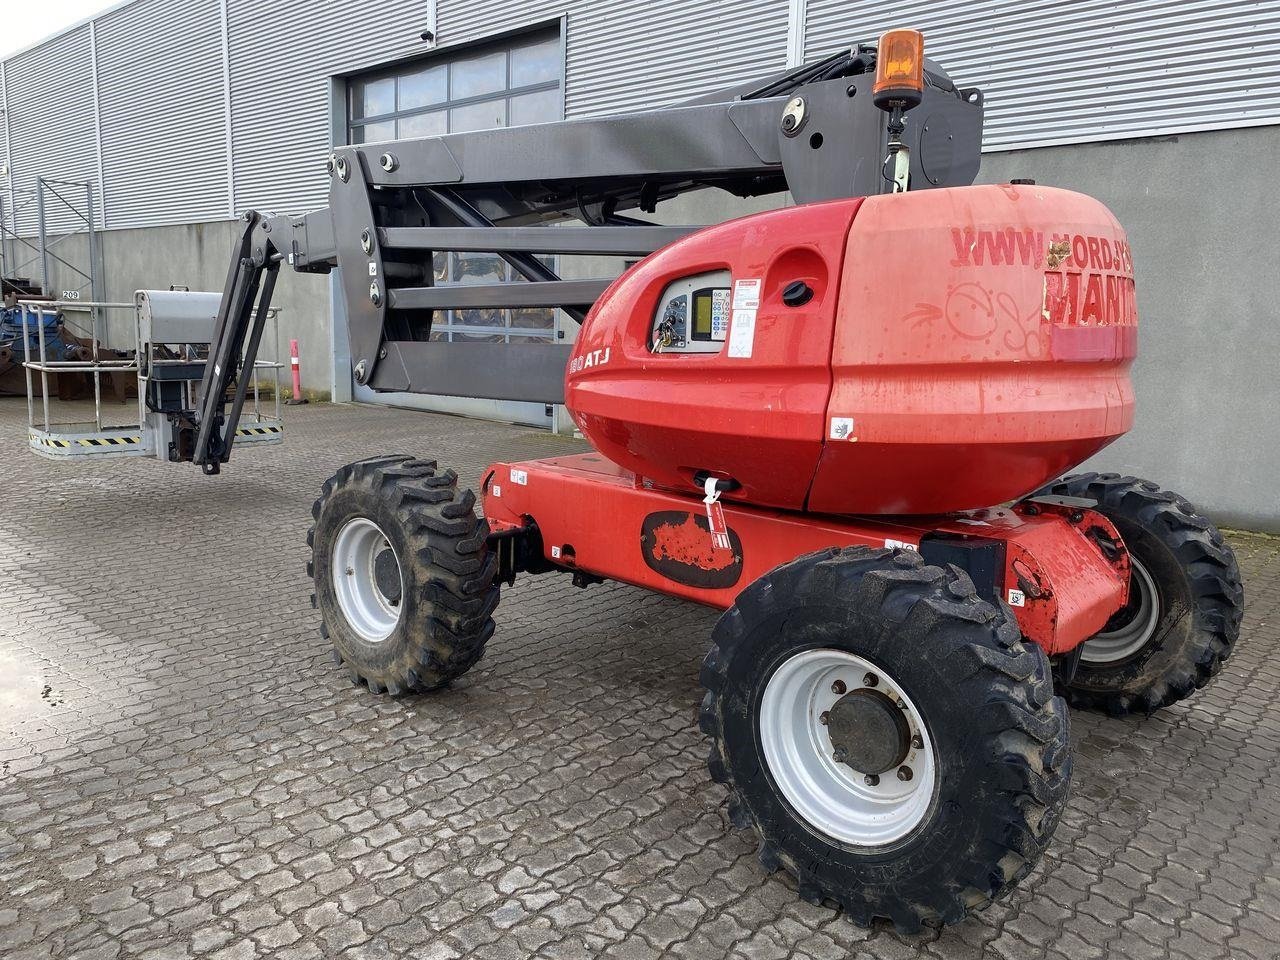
pixel 1059 564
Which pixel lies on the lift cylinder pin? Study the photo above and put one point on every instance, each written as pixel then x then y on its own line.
pixel 793 117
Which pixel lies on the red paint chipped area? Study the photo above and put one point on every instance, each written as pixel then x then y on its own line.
pixel 689 544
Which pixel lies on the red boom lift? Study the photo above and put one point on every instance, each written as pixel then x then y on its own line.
pixel 839 422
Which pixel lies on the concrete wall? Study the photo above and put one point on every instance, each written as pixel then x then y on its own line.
pixel 1200 211
pixel 197 256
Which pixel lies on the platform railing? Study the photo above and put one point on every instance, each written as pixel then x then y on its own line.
pixel 96 366
pixel 140 363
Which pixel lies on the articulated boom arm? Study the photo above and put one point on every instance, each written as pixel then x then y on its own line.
pixel 814 131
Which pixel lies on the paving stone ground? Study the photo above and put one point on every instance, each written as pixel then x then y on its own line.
pixel 183 772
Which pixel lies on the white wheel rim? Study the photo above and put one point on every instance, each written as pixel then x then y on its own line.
pixel 831 797
pixel 370 612
pixel 1112 646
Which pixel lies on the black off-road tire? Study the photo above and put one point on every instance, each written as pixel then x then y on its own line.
pixel 448 576
pixel 1200 597
pixel 1000 734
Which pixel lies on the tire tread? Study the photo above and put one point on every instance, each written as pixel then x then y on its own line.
pixel 450 568
pixel 1026 733
pixel 1212 573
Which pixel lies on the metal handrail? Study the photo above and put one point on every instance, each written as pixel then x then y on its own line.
pixel 82 366
pixel 96 366
pixel 140 363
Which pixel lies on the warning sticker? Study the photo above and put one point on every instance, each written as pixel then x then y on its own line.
pixel 519 477
pixel 746 294
pixel 719 314
pixel 1017 598
pixel 842 428
pixel 742 334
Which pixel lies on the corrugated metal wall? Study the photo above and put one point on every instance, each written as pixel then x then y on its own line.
pixel 624 57
pixel 4 153
pixel 630 54
pixel 1053 73
pixel 160 98
pixel 1087 70
pixel 281 62
pixel 51 122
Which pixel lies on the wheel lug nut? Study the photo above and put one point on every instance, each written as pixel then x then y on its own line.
pixel 838 687
pixel 825 718
pixel 918 742
pixel 904 773
pixel 871 780
pixel 902 705
pixel 839 756
pixel 870 680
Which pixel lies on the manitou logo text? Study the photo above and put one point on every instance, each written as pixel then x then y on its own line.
pixel 592 358
pixel 1089 300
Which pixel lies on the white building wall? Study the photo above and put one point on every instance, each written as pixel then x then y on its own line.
pixel 1088 70
pixel 161 104
pixel 52 131
pixel 211 107
pixel 282 59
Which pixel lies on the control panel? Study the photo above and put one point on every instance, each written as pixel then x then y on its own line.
pixel 692 315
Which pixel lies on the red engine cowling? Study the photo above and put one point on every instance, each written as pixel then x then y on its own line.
pixel 943 350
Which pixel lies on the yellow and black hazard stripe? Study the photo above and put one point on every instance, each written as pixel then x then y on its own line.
pixel 50 442
pixel 258 431
pixel 87 442
pixel 109 441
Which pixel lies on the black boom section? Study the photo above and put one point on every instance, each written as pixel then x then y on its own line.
pixel 394 205
pixel 205 435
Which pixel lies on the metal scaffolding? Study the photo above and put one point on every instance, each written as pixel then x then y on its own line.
pixel 28 239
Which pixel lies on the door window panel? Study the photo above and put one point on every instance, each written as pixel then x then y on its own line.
pixel 478 268
pixel 478 116
pixel 536 63
pixel 423 124
pixel 534 319
pixel 373 98
pixel 540 107
pixel 423 89
pixel 373 132
pixel 478 76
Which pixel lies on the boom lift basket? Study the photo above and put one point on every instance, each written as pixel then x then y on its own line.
pixel 162 350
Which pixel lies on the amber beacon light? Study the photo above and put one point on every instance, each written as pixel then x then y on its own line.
pixel 899 70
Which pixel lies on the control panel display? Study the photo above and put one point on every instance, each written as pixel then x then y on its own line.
pixel 693 315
